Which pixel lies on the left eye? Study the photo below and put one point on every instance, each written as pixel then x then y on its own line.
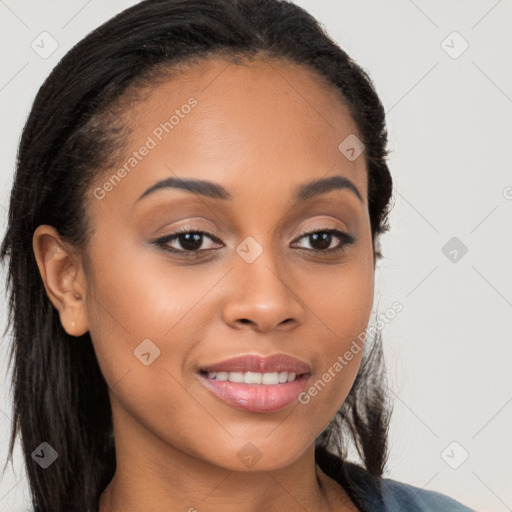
pixel 192 241
pixel 324 238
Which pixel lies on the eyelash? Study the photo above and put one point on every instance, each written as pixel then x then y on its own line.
pixel 163 242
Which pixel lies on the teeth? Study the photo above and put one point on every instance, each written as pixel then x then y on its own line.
pixel 254 377
pixel 270 378
pixel 236 376
pixel 283 377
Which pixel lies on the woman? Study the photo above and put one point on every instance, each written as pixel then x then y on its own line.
pixel 193 233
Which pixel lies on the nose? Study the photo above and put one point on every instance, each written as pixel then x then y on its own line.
pixel 262 297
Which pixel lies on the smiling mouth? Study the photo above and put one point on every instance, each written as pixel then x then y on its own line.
pixel 256 383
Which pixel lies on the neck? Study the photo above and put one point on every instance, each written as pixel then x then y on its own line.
pixel 153 476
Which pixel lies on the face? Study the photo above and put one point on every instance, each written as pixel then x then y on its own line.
pixel 266 277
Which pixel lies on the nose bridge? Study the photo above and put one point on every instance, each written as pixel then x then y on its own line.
pixel 261 291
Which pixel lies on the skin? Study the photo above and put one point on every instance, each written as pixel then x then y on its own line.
pixel 259 129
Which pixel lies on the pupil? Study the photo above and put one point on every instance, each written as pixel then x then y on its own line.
pixel 325 240
pixel 192 242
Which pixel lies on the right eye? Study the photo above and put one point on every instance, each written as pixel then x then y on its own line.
pixel 191 242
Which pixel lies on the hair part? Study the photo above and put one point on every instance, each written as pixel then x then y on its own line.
pixel 73 132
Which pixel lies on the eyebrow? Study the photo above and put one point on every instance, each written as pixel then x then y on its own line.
pixel 216 191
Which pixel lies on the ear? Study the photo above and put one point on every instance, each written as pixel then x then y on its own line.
pixel 62 273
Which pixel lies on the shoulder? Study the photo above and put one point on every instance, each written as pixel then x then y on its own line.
pixel 372 493
pixel 405 497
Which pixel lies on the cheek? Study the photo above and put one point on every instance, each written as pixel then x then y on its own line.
pixel 132 299
pixel 136 290
pixel 146 311
pixel 341 305
pixel 341 299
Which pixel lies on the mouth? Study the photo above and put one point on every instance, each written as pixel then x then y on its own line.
pixel 255 383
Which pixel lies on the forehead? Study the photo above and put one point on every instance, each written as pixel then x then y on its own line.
pixel 271 123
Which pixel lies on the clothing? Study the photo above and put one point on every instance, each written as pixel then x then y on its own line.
pixel 375 494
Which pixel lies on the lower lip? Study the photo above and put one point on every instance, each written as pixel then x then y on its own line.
pixel 257 397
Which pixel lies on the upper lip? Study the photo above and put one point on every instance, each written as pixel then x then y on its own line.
pixel 260 364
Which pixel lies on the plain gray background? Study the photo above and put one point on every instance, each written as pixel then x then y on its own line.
pixel 450 125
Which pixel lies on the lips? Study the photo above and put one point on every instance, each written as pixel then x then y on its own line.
pixel 259 364
pixel 257 384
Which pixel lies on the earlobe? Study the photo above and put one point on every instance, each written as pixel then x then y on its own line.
pixel 62 274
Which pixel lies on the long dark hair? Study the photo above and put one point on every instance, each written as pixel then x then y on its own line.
pixel 59 394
